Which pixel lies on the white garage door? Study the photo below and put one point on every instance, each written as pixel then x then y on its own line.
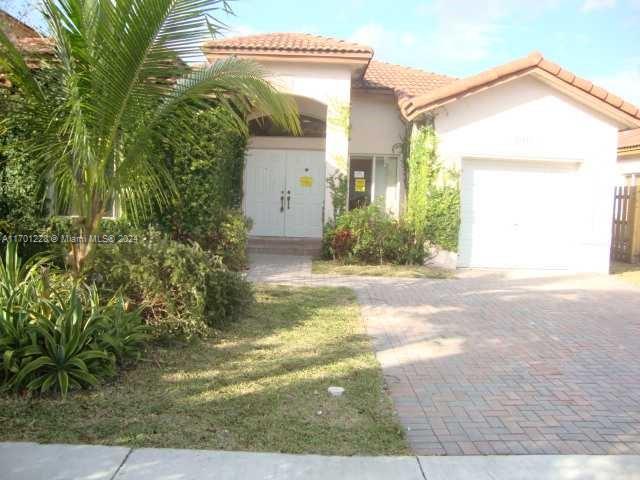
pixel 516 214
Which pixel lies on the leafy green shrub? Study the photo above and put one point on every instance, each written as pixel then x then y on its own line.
pixel 17 276
pixel 123 331
pixel 65 352
pixel 227 297
pixel 20 284
pixel 433 192
pixel 170 282
pixel 206 167
pixel 56 339
pixel 338 188
pixel 342 242
pixel 21 188
pixel 164 277
pixel 373 236
pixel 229 239
pixel 443 216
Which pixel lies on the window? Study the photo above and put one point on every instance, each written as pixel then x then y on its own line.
pixel 264 127
pixel 631 179
pixel 69 211
pixel 374 178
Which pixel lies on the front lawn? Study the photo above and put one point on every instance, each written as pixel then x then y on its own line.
pixel 261 386
pixel 627 271
pixel 329 267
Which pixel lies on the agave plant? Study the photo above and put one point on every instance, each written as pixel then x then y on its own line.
pixel 20 285
pixel 16 275
pixel 124 331
pixel 66 353
pixel 122 89
pixel 17 337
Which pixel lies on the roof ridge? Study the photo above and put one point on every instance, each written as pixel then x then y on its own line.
pixel 228 42
pixel 415 69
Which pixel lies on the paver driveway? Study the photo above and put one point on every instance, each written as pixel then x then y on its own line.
pixel 496 364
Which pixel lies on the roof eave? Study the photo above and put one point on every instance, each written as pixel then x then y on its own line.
pixel 418 106
pixel 288 55
pixel 629 151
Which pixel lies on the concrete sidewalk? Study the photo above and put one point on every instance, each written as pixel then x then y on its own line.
pixel 32 461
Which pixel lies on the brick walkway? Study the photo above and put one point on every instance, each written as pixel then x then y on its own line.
pixel 490 364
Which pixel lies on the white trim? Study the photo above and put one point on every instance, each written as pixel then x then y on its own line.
pixel 521 158
pixel 373 157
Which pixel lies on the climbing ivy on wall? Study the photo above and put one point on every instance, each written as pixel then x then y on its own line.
pixel 340 116
pixel 433 191
pixel 337 184
pixel 207 171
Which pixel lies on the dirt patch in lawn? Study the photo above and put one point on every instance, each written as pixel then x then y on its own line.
pixel 328 267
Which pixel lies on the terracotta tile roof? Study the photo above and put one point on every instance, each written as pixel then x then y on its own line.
pixel 36 45
pixel 34 50
pixel 534 61
pixel 15 28
pixel 286 44
pixel 404 81
pixel 629 140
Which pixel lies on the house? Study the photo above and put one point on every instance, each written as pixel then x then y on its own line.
pixel 629 157
pixel 535 146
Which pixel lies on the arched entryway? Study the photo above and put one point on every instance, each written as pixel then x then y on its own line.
pixel 284 182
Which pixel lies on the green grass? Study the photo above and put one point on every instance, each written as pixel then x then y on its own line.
pixel 260 386
pixel 329 267
pixel 628 272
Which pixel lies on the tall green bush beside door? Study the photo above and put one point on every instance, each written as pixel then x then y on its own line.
pixel 206 165
pixel 433 191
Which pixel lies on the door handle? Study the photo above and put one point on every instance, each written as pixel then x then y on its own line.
pixel 288 199
pixel 282 201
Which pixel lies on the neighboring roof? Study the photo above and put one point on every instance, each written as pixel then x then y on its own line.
pixel 629 142
pixel 404 81
pixel 287 44
pixel 15 28
pixel 34 51
pixel 533 62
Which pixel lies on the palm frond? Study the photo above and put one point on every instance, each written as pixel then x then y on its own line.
pixel 122 86
pixel 12 62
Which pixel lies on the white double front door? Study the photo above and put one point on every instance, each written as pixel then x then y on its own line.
pixel 284 192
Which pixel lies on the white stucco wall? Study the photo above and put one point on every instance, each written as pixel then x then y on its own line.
pixel 628 164
pixel 527 120
pixel 376 125
pixel 377 128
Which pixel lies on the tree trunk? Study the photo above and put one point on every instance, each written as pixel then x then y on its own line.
pixel 79 252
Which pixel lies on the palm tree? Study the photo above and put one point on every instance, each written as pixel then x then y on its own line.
pixel 121 89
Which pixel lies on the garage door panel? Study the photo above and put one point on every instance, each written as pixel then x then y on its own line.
pixel 516 214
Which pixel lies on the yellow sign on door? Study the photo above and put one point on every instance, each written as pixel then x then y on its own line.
pixel 361 185
pixel 306 181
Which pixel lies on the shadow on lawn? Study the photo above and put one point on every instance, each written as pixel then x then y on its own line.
pixel 262 385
